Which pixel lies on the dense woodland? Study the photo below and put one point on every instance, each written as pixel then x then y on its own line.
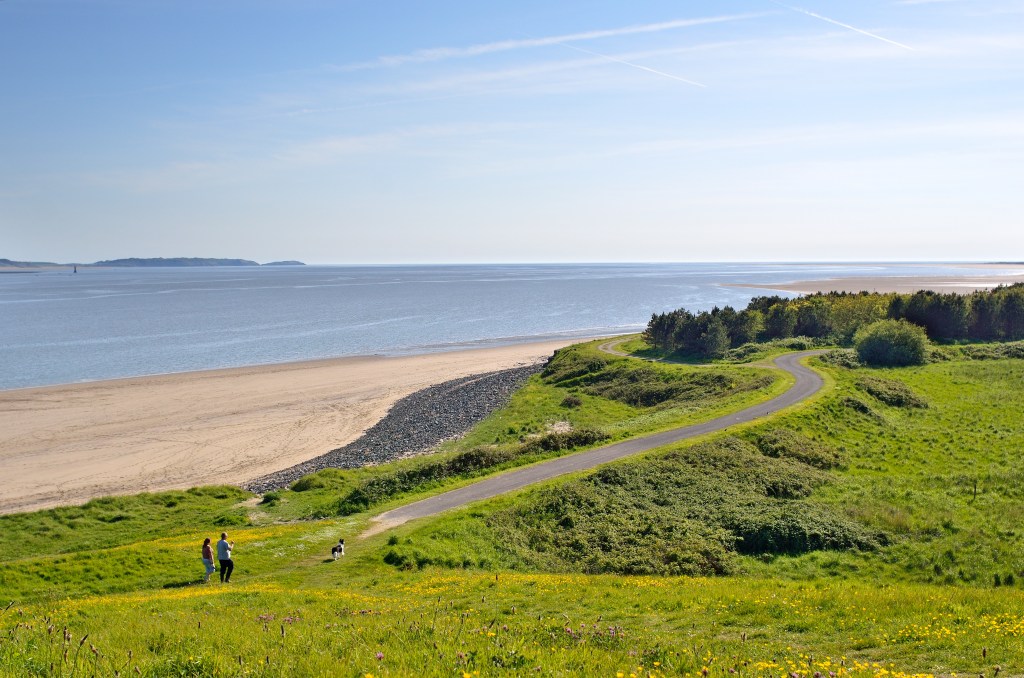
pixel 994 315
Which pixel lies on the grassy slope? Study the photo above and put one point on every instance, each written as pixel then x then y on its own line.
pixel 786 613
pixel 507 438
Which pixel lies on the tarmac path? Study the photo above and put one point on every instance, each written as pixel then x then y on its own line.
pixel 808 382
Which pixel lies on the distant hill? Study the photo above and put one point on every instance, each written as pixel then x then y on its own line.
pixel 26 264
pixel 284 263
pixel 176 261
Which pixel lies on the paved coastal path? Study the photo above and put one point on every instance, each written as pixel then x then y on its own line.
pixel 807 384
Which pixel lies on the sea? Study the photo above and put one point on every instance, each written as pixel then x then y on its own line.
pixel 59 327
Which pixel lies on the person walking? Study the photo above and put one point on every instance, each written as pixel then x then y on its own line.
pixel 208 560
pixel 227 566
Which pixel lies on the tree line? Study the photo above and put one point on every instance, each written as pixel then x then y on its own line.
pixel 835 317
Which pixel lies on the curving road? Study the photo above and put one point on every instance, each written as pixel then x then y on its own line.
pixel 807 384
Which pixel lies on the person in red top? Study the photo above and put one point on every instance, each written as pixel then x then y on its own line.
pixel 208 559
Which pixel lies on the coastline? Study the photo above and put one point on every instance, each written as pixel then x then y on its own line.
pixel 67 444
pixel 903 284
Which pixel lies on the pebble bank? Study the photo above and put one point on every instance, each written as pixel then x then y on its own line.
pixel 415 424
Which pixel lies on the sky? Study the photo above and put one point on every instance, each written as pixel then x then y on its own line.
pixel 414 132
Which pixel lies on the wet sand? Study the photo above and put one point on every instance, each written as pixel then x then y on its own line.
pixel 904 284
pixel 63 445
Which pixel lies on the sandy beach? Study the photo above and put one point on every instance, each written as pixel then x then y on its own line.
pixel 63 445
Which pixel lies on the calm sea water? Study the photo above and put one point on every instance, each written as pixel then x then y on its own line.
pixel 58 327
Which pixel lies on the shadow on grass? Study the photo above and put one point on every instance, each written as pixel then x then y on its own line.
pixel 182 584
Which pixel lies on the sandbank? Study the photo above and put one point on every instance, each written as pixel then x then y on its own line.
pixel 63 445
pixel 903 284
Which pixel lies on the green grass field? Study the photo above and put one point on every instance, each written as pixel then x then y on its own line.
pixel 873 531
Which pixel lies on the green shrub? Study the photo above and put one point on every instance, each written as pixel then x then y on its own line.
pixel 792 445
pixel 311 482
pixel 745 351
pixel 688 511
pixel 233 518
pixel 891 343
pixel 841 357
pixel 646 387
pixel 797 343
pixel 568 440
pixel 793 529
pixel 571 401
pixel 569 364
pixel 891 392
pixel 860 406
pixel 641 384
pixel 1013 350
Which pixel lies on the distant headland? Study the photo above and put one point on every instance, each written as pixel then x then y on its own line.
pixel 138 262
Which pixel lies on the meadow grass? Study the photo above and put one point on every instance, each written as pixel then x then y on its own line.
pixel 926 459
pixel 437 622
pixel 114 521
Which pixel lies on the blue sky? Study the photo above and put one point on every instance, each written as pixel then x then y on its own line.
pixel 379 132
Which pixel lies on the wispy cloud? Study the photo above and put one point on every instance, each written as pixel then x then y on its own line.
pixel 841 24
pixel 633 65
pixel 442 53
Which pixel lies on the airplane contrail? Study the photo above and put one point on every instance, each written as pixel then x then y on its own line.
pixel 840 23
pixel 443 53
pixel 630 63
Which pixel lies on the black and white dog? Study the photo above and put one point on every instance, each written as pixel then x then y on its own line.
pixel 338 550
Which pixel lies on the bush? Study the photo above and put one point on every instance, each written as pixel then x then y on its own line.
pixel 310 482
pixel 891 343
pixel 233 518
pixel 891 392
pixel 745 351
pixel 841 357
pixel 647 387
pixel 685 512
pixel 994 351
pixel 859 406
pixel 571 401
pixel 568 365
pixel 555 442
pixel 794 529
pixel 781 443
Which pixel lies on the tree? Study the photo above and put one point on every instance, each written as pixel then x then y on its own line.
pixel 891 343
pixel 779 321
pixel 745 327
pixel 986 308
pixel 714 339
pixel 850 312
pixel 813 317
pixel 944 316
pixel 1013 312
